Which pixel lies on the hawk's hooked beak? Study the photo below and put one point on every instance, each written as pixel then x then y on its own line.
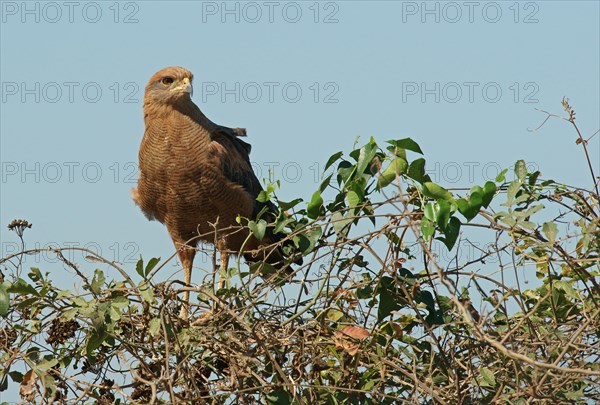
pixel 185 87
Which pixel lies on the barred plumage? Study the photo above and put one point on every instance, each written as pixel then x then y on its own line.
pixel 194 173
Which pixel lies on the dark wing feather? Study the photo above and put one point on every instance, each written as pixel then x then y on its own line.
pixel 238 169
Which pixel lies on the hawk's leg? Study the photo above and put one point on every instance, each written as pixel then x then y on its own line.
pixel 186 256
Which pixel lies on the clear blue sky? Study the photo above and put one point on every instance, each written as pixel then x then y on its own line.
pixel 304 78
pixel 462 80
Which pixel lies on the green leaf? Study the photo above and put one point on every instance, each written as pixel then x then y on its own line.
pixel 16 377
pixel 154 326
pixel 315 206
pixel 429 211
pixel 475 201
pixel 258 228
pixel 325 183
pixel 521 170
pixel 62 294
pixel 387 298
pixel 139 267
pixel 567 287
pixel 366 155
pixel 575 396
pixel 49 383
pixel 95 340
pixel 114 314
pixel 353 198
pixel 476 189
pixel 265 195
pixel 500 178
pixel 69 314
pixel 288 205
pixel 511 192
pixel 451 233
pixel 281 222
pixel 398 152
pixel 22 287
pixel 427 228
pixel 81 302
pixel 302 243
pixel 505 217
pixel 97 281
pixel 313 236
pixel 368 384
pixel 306 241
pixel 120 302
pixel 487 377
pixel 397 167
pixel 524 215
pixel 28 302
pixel 334 315
pixel 45 365
pixel 279 397
pixel 4 299
pixel 425 297
pixel 469 209
pixel 146 291
pixel 35 274
pixel 263 268
pixel 262 196
pixel 550 230
pixel 364 292
pixel 416 170
pixel 533 178
pixel 345 171
pixel 442 214
pixel 151 264
pixel 489 190
pixel 435 191
pixel 359 186
pixel 332 159
pixel 99 323
pixel 341 223
pixel 407 143
pixel 425 300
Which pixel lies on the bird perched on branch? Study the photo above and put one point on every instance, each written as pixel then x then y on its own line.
pixel 196 177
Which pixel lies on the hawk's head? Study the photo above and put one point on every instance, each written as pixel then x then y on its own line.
pixel 170 85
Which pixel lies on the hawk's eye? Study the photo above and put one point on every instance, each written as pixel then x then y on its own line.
pixel 167 80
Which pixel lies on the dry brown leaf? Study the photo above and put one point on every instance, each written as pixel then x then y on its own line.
pixel 93 259
pixel 397 263
pixel 203 319
pixel 355 332
pixel 398 332
pixel 341 343
pixel 346 295
pixel 28 387
pixel 340 338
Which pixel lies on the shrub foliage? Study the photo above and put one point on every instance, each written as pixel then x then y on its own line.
pixel 397 299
